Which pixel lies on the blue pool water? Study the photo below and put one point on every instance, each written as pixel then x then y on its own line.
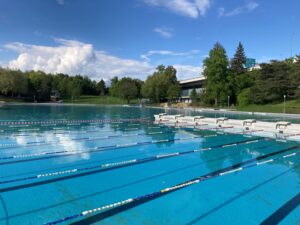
pixel 53 171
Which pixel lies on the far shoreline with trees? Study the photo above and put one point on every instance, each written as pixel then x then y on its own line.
pixel 228 84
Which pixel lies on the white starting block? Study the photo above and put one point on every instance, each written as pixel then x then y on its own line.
pixel 248 123
pixel 171 118
pixel 158 117
pixel 190 119
pixel 221 120
pixel 281 125
pixel 279 130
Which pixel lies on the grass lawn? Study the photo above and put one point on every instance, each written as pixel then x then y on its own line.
pixel 292 106
pixel 11 100
pixel 105 100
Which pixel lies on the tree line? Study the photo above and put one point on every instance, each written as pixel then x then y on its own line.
pixel 230 80
pixel 39 86
pixel 227 82
pixel 160 86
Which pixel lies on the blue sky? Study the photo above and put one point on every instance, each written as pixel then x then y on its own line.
pixel 105 38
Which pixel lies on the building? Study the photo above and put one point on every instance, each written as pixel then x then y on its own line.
pixel 198 83
pixel 188 85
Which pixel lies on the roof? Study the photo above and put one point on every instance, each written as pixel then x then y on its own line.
pixel 195 79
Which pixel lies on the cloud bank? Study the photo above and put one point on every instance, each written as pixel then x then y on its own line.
pixel 74 57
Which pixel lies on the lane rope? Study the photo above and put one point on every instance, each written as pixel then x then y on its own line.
pixel 130 162
pixel 148 197
pixel 85 139
pixel 51 122
pixel 63 153
pixel 75 132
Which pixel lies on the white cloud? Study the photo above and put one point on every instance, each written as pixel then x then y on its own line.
pixel 169 53
pixel 60 2
pixel 248 7
pixel 187 71
pixel 189 8
pixel 74 57
pixel 183 71
pixel 165 32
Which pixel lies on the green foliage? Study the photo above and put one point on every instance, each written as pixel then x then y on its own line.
pixel 128 89
pixel 161 85
pixel 13 83
pixel 39 85
pixel 139 83
pixel 101 87
pixel 74 89
pixel 173 92
pixel 245 80
pixel 243 97
pixel 238 62
pixel 273 81
pixel 194 96
pixel 217 76
pixel 114 87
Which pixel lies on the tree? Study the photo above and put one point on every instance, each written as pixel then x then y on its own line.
pixel 74 89
pixel 216 73
pixel 161 85
pixel 238 62
pixel 139 83
pixel 244 97
pixel 194 95
pixel 6 84
pixel 173 92
pixel 101 87
pixel 127 89
pixel 114 87
pixel 272 82
pixel 40 84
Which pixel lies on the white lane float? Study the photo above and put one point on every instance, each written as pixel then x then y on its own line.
pixel 120 163
pixel 226 171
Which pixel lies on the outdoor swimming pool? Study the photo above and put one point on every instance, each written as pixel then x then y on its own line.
pixel 71 172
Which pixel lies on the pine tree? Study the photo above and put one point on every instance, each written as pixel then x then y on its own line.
pixel 239 60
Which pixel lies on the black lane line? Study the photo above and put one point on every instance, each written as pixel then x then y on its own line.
pixel 5 210
pixel 145 160
pixel 283 211
pixel 130 163
pixel 117 210
pixel 241 194
pixel 146 198
pixel 121 186
pixel 265 146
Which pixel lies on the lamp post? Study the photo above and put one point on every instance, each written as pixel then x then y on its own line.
pixel 284 98
pixel 228 98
